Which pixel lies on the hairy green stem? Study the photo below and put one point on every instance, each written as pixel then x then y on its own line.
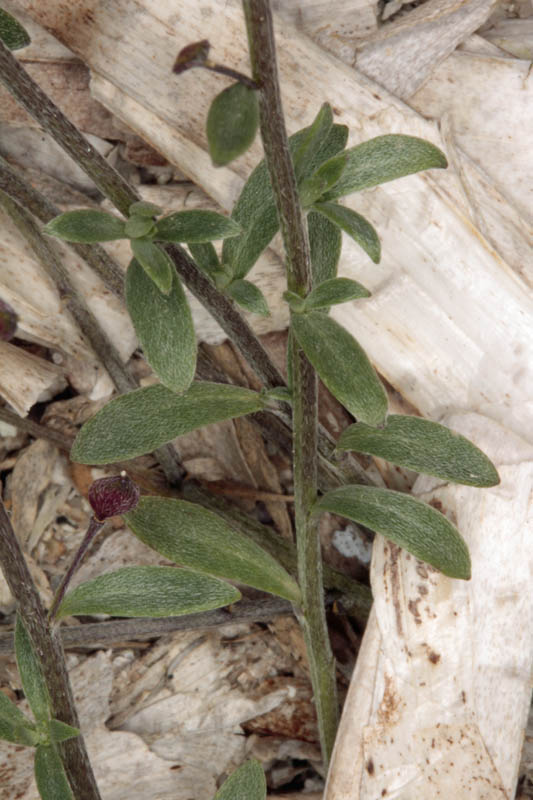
pixel 312 616
pixel 47 645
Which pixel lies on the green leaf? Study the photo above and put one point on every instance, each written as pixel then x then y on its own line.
pixel 30 674
pixel 325 177
pixel 313 138
pixel 246 783
pixel 383 159
pixel 354 225
pixel 141 421
pixel 325 242
pixel 255 210
pixel 333 292
pixel 155 262
pixel 232 123
pixel 342 365
pixel 280 394
pixel 50 774
pixel 423 446
pixel 195 226
pixel 164 326
pixel 415 526
pixel 205 256
pixel 14 725
pixel 142 208
pixel 86 226
pixel 296 302
pixel 13 35
pixel 249 296
pixel 138 225
pixel 59 731
pixel 194 537
pixel 148 592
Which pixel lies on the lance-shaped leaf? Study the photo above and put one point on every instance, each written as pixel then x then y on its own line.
pixel 255 210
pixel 86 226
pixel 148 592
pixel 50 774
pixel 164 326
pixel 333 292
pixel 342 365
pixel 196 226
pixel 246 783
pixel 354 225
pixel 14 725
pixel 383 159
pixel 325 242
pixel 321 181
pixel 232 123
pixel 423 446
pixel 205 256
pixel 30 674
pixel 13 35
pixel 155 262
pixel 249 296
pixel 59 731
pixel 312 140
pixel 194 537
pixel 141 421
pixel 410 523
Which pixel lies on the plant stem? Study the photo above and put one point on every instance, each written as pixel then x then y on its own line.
pixel 230 73
pixel 47 645
pixel 312 616
pixel 95 526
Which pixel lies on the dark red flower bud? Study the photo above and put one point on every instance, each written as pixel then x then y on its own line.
pixel 112 496
pixel 193 55
pixel 8 321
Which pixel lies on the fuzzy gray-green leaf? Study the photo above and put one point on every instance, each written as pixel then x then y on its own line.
pixel 195 226
pixel 354 225
pixel 342 365
pixel 155 262
pixel 333 292
pixel 246 783
pixel 86 226
pixel 148 592
pixel 138 225
pixel 164 326
pixel 410 523
pixel 321 181
pixel 141 421
pixel 232 123
pixel 13 35
pixel 205 256
pixel 142 208
pixel 310 143
pixel 325 242
pixel 423 446
pixel 249 296
pixel 60 732
pixel 386 158
pixel 30 674
pixel 255 209
pixel 194 537
pixel 50 774
pixel 14 726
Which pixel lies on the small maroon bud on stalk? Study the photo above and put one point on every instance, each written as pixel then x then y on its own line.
pixel 112 496
pixel 193 55
pixel 108 497
pixel 8 321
